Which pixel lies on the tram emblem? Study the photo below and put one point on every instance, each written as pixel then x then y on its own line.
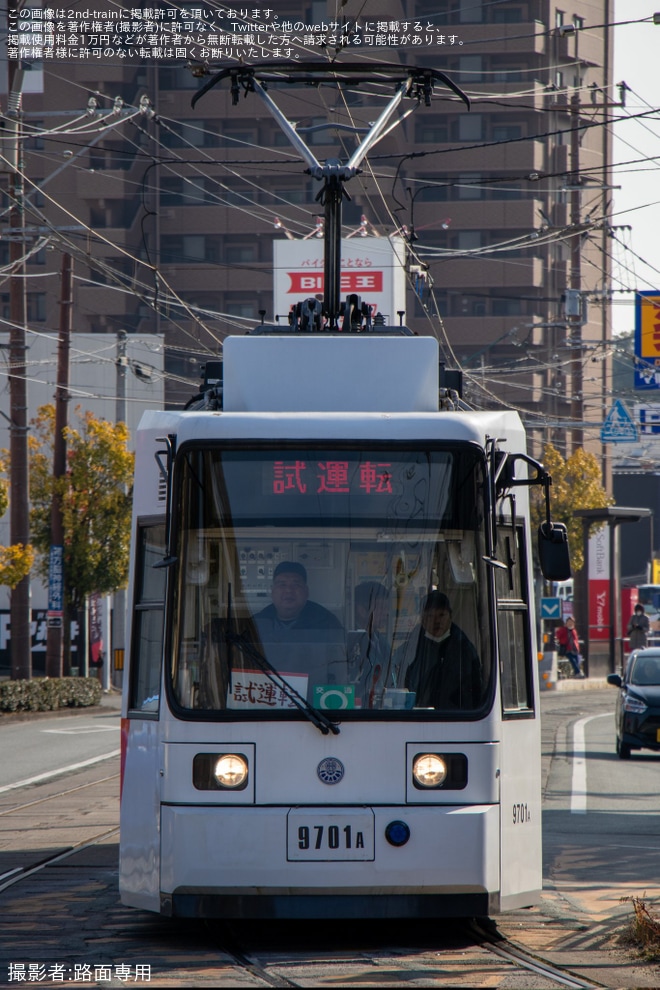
pixel 330 770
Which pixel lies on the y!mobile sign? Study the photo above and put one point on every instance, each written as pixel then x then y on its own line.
pixel 599 584
pixel 371 267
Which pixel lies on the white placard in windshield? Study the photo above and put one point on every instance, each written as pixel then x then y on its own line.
pixel 252 690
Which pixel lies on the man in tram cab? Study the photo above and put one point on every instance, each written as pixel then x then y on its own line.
pixel 291 608
pixel 443 667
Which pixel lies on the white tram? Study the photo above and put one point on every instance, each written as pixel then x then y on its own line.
pixel 310 763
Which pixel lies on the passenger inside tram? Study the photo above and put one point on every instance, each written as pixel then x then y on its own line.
pixel 439 662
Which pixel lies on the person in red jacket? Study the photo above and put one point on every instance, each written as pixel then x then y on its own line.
pixel 569 645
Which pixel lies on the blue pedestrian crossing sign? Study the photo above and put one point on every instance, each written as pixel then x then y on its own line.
pixel 618 426
pixel 551 608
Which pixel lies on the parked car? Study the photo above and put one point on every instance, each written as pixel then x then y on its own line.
pixel 637 715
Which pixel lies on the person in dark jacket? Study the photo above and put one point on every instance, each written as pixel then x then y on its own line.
pixel 638 628
pixel 445 671
pixel 291 607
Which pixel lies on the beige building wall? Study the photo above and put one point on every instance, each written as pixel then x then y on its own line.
pixel 171 215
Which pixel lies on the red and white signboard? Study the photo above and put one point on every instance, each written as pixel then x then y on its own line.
pixel 371 267
pixel 599 584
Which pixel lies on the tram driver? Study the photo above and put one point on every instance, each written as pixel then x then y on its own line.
pixel 291 607
pixel 441 665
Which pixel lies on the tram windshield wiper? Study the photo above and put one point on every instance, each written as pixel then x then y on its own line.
pixel 317 718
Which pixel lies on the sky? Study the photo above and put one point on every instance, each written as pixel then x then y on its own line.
pixel 637 203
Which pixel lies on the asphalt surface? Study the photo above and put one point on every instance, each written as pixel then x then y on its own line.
pixel 580 920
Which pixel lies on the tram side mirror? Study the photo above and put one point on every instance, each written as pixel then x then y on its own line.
pixel 553 552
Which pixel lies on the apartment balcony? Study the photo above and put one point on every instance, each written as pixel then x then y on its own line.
pixel 518 157
pixel 214 219
pixel 103 299
pixel 500 272
pixel 533 39
pixel 204 277
pixel 532 94
pixel 96 184
pixel 491 215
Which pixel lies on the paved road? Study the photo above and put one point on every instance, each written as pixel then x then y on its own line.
pixel 590 861
pixel 42 746
pixel 601 825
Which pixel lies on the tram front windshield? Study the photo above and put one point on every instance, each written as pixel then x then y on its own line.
pixel 347 580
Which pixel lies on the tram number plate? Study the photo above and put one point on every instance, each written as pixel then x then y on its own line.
pixel 336 837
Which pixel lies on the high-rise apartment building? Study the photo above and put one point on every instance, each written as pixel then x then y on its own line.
pixel 171 212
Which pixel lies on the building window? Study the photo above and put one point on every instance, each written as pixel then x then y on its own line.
pixel 509 15
pixel 34 141
pixel 470 68
pixel 432 134
pixel 36 307
pixel 470 12
pixel 234 253
pixel 468 240
pixel 436 193
pixel 507 132
pixel 507 307
pixel 189 249
pixel 470 127
pixel 176 77
pixel 178 191
pixel 246 308
pixel 469 186
pixel 197 135
pixel 238 137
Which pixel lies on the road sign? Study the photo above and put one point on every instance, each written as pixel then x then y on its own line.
pixel 618 426
pixel 551 608
pixel 647 340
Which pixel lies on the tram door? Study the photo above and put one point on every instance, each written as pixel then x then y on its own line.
pixel 520 791
pixel 140 798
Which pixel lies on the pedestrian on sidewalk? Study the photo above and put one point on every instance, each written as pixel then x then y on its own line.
pixel 569 645
pixel 638 628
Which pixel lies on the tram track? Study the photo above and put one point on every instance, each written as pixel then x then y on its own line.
pixel 395 966
pixel 371 955
pixel 502 947
pixel 22 872
pixel 388 962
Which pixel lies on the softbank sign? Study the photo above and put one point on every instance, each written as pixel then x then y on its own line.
pixel 371 267
pixel 599 584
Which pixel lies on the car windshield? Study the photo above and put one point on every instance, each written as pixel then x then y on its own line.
pixel 310 571
pixel 646 670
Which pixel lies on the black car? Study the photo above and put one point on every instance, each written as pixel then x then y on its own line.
pixel 637 714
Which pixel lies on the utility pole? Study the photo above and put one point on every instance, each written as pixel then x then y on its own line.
pixel 57 615
pixel 574 309
pixel 119 618
pixel 19 519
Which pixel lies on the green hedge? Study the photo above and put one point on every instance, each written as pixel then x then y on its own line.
pixel 46 694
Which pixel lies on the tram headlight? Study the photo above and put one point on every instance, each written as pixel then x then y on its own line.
pixel 220 771
pixel 231 770
pixel 440 771
pixel 429 770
